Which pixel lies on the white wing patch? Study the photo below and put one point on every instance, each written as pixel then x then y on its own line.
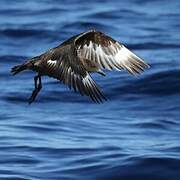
pixel 52 62
pixel 114 56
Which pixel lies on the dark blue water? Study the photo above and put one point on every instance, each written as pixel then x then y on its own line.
pixel 134 135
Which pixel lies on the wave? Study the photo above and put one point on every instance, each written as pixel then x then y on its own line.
pixel 44 163
pixel 12 59
pixel 153 45
pixel 134 135
pixel 161 83
pixel 22 33
pixel 144 168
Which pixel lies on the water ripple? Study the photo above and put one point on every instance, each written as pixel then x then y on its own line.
pixel 134 135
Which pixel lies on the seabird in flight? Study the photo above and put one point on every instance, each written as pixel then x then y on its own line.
pixel 74 60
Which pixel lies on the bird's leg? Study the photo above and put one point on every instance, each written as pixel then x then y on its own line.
pixel 37 88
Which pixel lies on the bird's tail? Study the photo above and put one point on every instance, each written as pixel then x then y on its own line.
pixel 22 67
pixel 18 68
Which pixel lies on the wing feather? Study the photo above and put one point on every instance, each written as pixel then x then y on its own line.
pixel 72 73
pixel 108 53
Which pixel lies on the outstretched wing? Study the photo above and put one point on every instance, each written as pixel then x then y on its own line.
pixel 68 69
pixel 108 53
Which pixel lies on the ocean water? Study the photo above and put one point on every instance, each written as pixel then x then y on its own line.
pixel 63 136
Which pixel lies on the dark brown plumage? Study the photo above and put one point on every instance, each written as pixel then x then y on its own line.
pixel 73 61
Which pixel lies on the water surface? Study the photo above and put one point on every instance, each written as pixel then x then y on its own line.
pixel 134 135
